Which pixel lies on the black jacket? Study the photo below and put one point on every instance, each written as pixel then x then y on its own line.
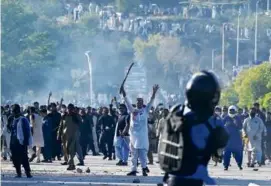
pixel 106 123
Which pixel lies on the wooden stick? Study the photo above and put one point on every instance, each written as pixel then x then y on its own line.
pixel 130 67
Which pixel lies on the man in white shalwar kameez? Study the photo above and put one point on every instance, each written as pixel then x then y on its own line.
pixel 139 144
pixel 253 128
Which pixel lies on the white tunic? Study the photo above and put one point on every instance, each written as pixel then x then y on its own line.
pixel 38 140
pixel 254 128
pixel 139 125
pixel 4 130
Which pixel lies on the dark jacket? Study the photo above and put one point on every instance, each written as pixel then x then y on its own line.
pixel 233 127
pixel 106 123
pixel 123 121
pixel 55 119
pixel 86 126
pixel 12 126
pixel 47 127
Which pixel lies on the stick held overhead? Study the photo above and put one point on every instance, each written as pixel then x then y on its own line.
pixel 127 73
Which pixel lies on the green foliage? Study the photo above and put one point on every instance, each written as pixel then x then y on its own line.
pixel 170 58
pixel 229 97
pixel 126 5
pixel 39 42
pixel 24 48
pixel 266 101
pixel 251 85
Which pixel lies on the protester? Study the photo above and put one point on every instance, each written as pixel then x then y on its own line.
pixel 268 137
pixel 55 118
pixel 69 134
pixel 253 128
pixel 85 132
pixel 121 138
pixel 217 118
pixel 152 136
pixel 21 138
pixel 161 124
pixel 139 131
pixel 233 125
pixel 107 126
pixel 46 131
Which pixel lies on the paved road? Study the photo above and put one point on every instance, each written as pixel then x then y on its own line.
pixel 104 172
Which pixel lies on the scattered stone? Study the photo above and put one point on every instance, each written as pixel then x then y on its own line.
pixel 255 169
pixel 253 184
pixel 78 170
pixel 88 170
pixel 136 180
pixel 160 184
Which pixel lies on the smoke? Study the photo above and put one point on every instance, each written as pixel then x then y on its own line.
pixel 68 76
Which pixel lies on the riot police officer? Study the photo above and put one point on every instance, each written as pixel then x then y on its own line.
pixel 191 134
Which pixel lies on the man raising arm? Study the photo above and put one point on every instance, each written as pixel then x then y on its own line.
pixel 139 131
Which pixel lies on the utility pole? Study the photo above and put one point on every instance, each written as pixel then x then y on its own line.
pixel 223 47
pixel 256 32
pixel 90 77
pixel 237 40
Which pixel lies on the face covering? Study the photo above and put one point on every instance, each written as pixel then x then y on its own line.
pixel 218 113
pixel 231 114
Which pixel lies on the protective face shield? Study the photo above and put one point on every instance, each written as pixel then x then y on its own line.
pixel 232 111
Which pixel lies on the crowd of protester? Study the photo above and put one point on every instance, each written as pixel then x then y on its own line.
pixel 58 132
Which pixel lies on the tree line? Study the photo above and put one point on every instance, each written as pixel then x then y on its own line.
pixel 40 45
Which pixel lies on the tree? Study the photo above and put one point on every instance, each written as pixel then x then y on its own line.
pixel 229 97
pixel 253 84
pixel 266 101
pixel 169 58
pixel 25 51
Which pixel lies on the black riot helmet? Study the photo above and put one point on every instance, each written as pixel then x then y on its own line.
pixel 203 93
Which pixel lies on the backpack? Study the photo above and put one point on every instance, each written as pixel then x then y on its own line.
pixel 172 143
pixel 171 146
